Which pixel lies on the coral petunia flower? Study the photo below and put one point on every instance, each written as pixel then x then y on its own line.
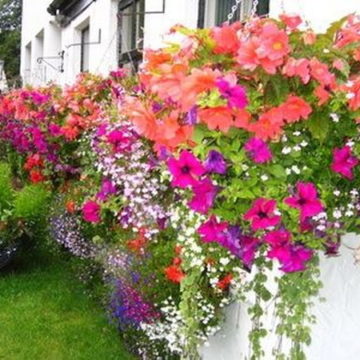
pixel 274 43
pixel 297 67
pixel 199 81
pixel 309 37
pixel 168 84
pixel 185 170
pixel 226 39
pixel 322 95
pixel 213 231
pixel 269 125
pixel 220 117
pixel 204 195
pixel 91 212
pixel 344 162
pixel 295 108
pixel 259 150
pixel 292 21
pixel 306 200
pixel 262 214
pixel 320 72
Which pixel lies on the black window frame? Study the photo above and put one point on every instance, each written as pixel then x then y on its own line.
pixel 263 9
pixel 134 54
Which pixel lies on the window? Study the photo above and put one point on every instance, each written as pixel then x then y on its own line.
pixel 85 49
pixel 215 12
pixel 131 33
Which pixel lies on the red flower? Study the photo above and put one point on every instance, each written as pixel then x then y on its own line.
pixel 174 273
pixel 32 161
pixel 36 176
pixel 225 282
pixel 70 206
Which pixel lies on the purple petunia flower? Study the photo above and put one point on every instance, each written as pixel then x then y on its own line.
pixel 258 150
pixel 191 117
pixel 215 162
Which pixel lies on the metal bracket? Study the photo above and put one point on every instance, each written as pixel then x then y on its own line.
pixel 147 12
pixel 60 56
pixel 86 43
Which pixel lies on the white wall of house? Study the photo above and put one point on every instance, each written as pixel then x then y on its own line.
pixel 43 37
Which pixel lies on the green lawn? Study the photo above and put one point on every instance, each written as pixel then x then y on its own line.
pixel 45 315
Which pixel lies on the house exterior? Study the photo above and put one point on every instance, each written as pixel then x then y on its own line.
pixel 61 38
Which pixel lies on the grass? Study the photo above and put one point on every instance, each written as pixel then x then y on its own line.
pixel 45 314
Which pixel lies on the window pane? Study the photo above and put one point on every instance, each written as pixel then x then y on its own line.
pixel 85 49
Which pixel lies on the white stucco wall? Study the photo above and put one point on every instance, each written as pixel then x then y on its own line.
pixel 334 336
pixel 101 15
pixel 319 13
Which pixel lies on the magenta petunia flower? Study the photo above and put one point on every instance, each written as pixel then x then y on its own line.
pixel 185 170
pixel 292 257
pixel 258 150
pixel 213 231
pixel 262 214
pixel 277 238
pixel 91 212
pixel 215 163
pixel 235 95
pixel 204 196
pixel 107 188
pixel 306 200
pixel 119 141
pixel 344 162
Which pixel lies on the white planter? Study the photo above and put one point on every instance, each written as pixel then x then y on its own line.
pixel 334 336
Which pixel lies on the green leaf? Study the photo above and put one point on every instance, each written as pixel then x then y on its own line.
pixel 318 125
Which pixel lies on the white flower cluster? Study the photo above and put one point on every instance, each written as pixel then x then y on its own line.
pixel 168 328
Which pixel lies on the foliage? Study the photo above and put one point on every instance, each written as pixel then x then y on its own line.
pixel 10 37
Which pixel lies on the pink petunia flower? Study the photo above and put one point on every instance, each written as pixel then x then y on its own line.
pixel 91 212
pixel 212 230
pixel 306 200
pixel 258 150
pixel 344 162
pixel 204 196
pixel 185 170
pixel 262 214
